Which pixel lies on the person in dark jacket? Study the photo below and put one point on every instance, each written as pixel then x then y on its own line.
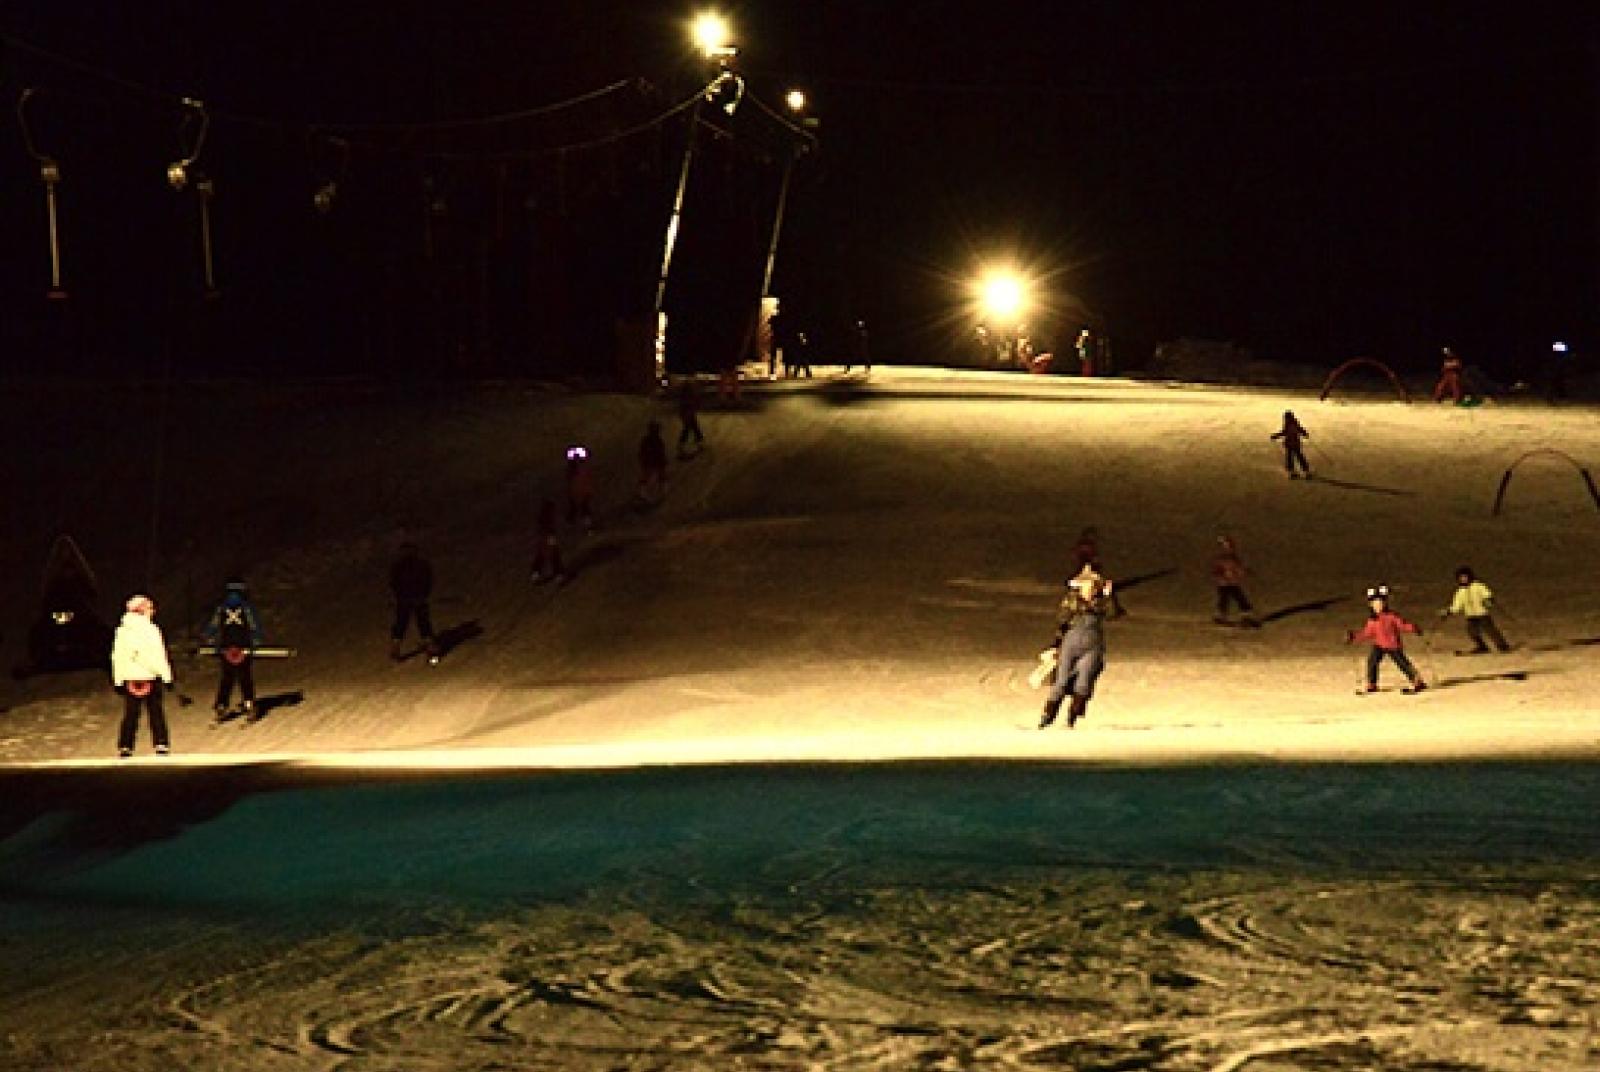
pixel 546 546
pixel 235 629
pixel 1293 434
pixel 411 582
pixel 580 488
pixel 689 417
pixel 652 464
pixel 1383 629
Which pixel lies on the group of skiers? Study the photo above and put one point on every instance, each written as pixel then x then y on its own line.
pixel 1074 661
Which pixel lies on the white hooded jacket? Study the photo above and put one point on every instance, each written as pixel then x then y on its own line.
pixel 139 652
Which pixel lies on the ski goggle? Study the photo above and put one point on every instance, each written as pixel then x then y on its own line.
pixel 574 453
pixel 1380 592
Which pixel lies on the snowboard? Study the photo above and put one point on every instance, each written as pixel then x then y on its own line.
pixel 1404 690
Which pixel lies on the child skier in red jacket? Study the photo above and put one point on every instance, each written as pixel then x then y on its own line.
pixel 1384 628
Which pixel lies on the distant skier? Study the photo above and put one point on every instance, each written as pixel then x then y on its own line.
pixel 1228 574
pixel 235 629
pixel 1473 600
pixel 546 546
pixel 1088 351
pixel 1293 433
pixel 1383 629
pixel 689 418
pixel 139 669
pixel 580 488
pixel 1080 646
pixel 411 582
pixel 652 464
pixel 797 357
pixel 860 347
pixel 1086 553
pixel 1449 378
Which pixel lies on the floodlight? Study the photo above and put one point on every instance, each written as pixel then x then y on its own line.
pixel 711 35
pixel 1003 295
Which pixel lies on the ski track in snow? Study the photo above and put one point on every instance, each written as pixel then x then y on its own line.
pixel 1107 971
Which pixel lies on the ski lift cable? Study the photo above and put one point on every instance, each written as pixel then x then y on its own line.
pixel 578 146
pixel 783 121
pixel 162 96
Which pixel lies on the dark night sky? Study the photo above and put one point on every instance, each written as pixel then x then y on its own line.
pixel 1311 181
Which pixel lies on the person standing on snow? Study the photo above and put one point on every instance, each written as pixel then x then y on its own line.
pixel 1080 646
pixel 1228 573
pixel 139 669
pixel 1384 628
pixel 689 418
pixel 411 582
pixel 546 546
pixel 1293 433
pixel 235 630
pixel 1449 378
pixel 1473 600
pixel 652 464
pixel 580 488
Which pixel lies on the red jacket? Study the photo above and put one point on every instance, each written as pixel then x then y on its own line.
pixel 1384 630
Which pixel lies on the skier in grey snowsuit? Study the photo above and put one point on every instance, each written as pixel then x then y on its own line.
pixel 1081 646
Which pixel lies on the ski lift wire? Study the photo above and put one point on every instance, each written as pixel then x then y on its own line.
pixel 168 97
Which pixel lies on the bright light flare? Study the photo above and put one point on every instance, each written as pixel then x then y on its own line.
pixel 796 100
pixel 1003 295
pixel 711 34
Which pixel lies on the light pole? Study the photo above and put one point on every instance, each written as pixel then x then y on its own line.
pixel 766 308
pixel 711 34
pixel 796 101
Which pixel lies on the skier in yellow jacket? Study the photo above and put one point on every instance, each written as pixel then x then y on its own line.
pixel 1473 600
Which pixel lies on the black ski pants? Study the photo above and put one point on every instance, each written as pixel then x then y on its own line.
pixel 1375 657
pixel 243 674
pixel 1228 594
pixel 404 611
pixel 131 706
pixel 1479 629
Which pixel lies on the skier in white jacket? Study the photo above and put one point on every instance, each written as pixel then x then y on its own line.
pixel 139 670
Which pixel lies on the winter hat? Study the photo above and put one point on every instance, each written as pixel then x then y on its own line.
pixel 141 605
pixel 1466 571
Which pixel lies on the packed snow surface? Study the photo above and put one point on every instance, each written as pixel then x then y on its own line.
pixel 761 786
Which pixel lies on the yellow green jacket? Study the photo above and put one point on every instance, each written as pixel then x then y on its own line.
pixel 1472 600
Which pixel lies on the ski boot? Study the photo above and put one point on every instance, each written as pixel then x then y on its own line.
pixel 394 650
pixel 1051 709
pixel 219 714
pixel 1076 710
pixel 249 711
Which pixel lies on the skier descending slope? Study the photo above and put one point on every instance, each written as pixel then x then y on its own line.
pixel 1081 645
pixel 1384 628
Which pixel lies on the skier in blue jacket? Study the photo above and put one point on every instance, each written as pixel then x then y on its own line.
pixel 235 629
